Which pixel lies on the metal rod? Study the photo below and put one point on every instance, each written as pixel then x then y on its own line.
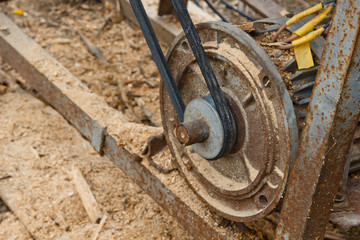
pixel 228 5
pixel 216 11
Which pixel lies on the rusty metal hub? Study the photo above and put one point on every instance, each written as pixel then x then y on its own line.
pixel 248 183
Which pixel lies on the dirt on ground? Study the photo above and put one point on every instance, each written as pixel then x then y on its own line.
pixel 38 146
pixel 37 143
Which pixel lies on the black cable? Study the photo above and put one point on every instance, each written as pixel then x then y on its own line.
pixel 159 58
pixel 228 5
pixel 216 11
pixel 213 85
pixel 329 1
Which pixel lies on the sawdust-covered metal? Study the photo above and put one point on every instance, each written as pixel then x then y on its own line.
pixel 248 183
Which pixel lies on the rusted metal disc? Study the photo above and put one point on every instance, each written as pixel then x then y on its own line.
pixel 248 183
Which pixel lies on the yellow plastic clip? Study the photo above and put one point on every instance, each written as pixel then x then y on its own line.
pixel 314 22
pixel 305 13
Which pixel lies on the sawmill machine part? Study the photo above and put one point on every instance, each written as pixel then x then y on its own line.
pixel 227 114
pixel 267 163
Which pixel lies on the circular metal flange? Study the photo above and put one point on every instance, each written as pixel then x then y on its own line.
pixel 248 183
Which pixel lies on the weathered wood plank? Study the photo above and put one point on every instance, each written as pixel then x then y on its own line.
pixel 166 31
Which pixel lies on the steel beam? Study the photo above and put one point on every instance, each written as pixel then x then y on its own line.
pixel 100 124
pixel 327 136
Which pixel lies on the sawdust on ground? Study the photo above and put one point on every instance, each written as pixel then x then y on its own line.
pixel 39 147
pixel 45 144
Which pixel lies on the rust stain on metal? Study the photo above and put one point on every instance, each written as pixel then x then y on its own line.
pixel 248 183
pixel 189 133
pixel 350 218
pixel 328 133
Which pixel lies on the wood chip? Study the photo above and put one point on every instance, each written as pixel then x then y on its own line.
pixel 5 177
pixel 3 89
pixel 86 196
pixel 247 27
pixel 98 230
pixel 92 48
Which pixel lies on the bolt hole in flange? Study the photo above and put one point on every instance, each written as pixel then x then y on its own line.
pixel 263 200
pixel 248 183
pixel 185 46
pixel 266 82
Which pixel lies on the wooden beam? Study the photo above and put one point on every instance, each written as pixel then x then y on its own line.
pixel 266 8
pixel 166 7
pixel 165 30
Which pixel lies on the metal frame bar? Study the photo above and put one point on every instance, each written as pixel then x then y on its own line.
pixel 327 136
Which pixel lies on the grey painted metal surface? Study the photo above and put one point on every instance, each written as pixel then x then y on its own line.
pixel 328 133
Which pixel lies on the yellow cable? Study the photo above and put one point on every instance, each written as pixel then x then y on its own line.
pixel 314 22
pixel 303 14
pixel 305 39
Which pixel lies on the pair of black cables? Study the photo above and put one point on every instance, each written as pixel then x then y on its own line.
pixel 227 5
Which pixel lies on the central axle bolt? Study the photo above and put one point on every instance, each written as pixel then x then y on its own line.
pixel 192 132
pixel 202 128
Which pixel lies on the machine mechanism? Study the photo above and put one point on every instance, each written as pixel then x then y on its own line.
pixel 246 141
pixel 227 113
pixel 248 182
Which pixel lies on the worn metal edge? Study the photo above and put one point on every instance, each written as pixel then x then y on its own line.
pixel 17 49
